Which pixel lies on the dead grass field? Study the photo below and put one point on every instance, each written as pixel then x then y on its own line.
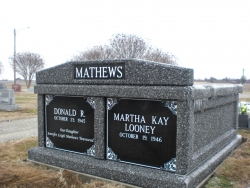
pixel 234 172
pixel 246 88
pixel 245 96
pixel 16 172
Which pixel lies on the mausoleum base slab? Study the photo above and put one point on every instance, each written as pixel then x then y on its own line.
pixel 131 174
pixel 82 176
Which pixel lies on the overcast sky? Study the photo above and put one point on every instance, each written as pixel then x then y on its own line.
pixel 210 36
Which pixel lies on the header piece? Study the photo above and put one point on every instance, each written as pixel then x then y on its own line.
pixel 116 72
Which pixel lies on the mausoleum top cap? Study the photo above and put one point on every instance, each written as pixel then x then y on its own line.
pixel 116 72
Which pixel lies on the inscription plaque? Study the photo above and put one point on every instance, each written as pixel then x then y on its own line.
pixel 70 123
pixel 142 132
pixel 102 71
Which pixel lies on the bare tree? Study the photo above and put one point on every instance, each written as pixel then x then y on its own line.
pixel 157 55
pixel 124 46
pixel 128 46
pixel 27 64
pixel 1 68
pixel 95 53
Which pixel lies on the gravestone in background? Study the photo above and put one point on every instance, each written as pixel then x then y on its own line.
pixel 3 86
pixel 7 100
pixel 17 87
pixel 243 121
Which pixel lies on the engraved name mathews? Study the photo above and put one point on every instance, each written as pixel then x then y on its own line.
pixel 100 71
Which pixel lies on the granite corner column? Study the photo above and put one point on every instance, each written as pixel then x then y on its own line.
pixel 99 128
pixel 236 112
pixel 184 142
pixel 41 121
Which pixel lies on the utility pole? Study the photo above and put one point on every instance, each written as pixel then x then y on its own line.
pixel 14 56
pixel 243 78
pixel 15 52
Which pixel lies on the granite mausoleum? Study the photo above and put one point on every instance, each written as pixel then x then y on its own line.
pixel 134 121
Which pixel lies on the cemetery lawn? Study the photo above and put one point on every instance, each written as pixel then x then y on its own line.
pixel 245 96
pixel 16 171
pixel 234 172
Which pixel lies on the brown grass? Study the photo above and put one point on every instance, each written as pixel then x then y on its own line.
pixel 16 172
pixel 235 170
pixel 245 96
pixel 246 87
pixel 102 184
pixel 237 166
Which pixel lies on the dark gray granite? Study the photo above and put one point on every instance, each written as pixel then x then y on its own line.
pixel 185 128
pixel 214 126
pixel 126 91
pixel 137 72
pixel 146 92
pixel 223 89
pixel 41 120
pixel 99 128
pixel 206 121
pixel 204 104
